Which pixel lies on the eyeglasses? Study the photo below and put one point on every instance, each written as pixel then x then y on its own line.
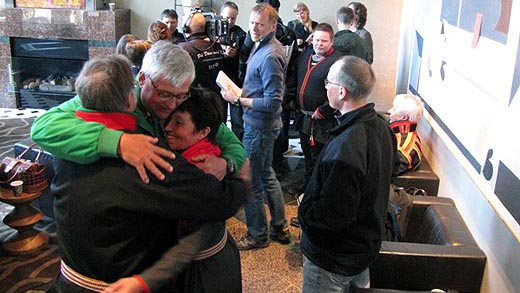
pixel 327 82
pixel 166 96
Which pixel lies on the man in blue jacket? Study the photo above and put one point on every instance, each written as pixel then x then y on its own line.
pixel 262 98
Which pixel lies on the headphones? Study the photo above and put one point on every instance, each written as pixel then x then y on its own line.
pixel 186 27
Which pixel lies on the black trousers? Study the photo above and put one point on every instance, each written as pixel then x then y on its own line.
pixel 310 153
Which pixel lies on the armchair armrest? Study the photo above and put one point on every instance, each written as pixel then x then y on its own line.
pixel 413 266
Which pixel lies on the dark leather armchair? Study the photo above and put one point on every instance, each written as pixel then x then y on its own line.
pixel 423 177
pixel 438 252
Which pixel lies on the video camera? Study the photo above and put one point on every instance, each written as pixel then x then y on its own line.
pixel 216 25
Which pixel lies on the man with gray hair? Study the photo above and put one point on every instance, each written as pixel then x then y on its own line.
pixel 110 224
pixel 344 207
pixel 163 82
pixel 107 75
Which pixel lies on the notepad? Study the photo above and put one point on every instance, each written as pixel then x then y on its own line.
pixel 226 84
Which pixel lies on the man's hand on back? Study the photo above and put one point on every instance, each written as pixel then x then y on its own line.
pixel 215 166
pixel 141 151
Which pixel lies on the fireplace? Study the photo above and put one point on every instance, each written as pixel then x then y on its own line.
pixel 52 44
pixel 43 71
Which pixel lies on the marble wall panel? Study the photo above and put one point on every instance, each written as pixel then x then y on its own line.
pixel 54 31
pixel 101 25
pixel 122 23
pixel 101 28
pixel 11 28
pixel 93 51
pixel 5 49
pixel 7 98
pixel 13 14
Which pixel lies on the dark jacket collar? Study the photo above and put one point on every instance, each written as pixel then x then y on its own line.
pixel 196 36
pixel 343 32
pixel 349 118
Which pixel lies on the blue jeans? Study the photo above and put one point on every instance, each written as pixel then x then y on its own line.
pixel 316 279
pixel 259 144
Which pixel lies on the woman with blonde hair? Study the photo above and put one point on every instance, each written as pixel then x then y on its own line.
pixel 303 25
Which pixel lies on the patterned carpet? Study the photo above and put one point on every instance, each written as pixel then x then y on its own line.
pixel 11 132
pixel 31 273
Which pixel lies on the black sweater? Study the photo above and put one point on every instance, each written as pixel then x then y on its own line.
pixel 112 225
pixel 345 202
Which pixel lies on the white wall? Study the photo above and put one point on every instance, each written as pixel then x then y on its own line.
pixel 492 235
pixel 484 218
pixel 383 23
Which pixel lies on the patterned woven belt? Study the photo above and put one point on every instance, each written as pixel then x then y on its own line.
pixel 81 280
pixel 308 113
pixel 212 250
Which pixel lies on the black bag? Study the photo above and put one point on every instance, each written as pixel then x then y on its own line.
pixel 400 205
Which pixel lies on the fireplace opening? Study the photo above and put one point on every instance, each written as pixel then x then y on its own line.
pixel 43 71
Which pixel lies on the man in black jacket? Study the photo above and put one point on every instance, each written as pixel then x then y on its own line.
pixel 231 47
pixel 346 41
pixel 206 53
pixel 171 19
pixel 315 117
pixel 344 206
pixel 110 224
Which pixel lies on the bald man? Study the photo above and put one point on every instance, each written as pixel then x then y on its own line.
pixel 207 55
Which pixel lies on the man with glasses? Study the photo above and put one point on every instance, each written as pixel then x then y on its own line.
pixel 344 207
pixel 112 225
pixel 163 82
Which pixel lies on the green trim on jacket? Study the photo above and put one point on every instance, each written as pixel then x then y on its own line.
pixel 60 132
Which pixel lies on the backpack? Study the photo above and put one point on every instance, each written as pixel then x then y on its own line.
pixel 400 203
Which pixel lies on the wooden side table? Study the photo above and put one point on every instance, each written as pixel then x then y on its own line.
pixel 22 218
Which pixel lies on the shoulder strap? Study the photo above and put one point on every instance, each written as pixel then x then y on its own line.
pixel 26 150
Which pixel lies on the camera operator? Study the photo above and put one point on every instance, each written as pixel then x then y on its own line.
pixel 231 45
pixel 206 53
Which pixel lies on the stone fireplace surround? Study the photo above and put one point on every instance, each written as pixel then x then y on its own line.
pixel 101 28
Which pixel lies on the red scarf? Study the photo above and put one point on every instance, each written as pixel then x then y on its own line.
pixel 112 120
pixel 201 147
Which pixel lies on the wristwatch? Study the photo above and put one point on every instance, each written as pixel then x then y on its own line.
pixel 230 167
pixel 237 101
